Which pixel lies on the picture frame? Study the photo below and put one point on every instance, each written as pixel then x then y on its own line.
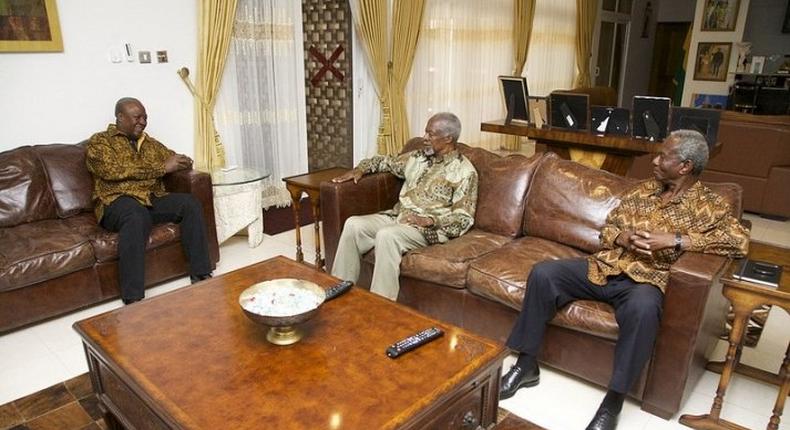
pixel 30 26
pixel 720 15
pixel 514 95
pixel 712 61
pixel 758 61
pixel 709 101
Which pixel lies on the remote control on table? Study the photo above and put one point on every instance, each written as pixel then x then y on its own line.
pixel 337 289
pixel 418 339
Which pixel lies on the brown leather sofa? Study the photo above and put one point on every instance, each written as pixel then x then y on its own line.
pixel 755 154
pixel 530 210
pixel 54 257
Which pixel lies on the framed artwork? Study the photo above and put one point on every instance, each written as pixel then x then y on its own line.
pixel 720 15
pixel 758 61
pixel 713 59
pixel 29 26
pixel 786 24
pixel 709 101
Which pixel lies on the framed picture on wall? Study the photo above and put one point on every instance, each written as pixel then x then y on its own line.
pixel 713 59
pixel 29 26
pixel 720 15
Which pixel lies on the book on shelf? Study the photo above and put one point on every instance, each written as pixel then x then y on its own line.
pixel 759 272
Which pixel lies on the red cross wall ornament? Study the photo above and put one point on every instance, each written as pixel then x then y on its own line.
pixel 327 65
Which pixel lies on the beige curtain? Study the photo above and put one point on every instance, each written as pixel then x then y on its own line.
pixel 523 15
pixel 372 27
pixel 406 24
pixel 215 26
pixel 585 24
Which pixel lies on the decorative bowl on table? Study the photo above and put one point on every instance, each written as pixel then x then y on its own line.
pixel 282 304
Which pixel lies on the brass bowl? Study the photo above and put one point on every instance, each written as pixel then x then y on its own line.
pixel 283 324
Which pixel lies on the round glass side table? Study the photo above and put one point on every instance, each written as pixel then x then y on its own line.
pixel 238 203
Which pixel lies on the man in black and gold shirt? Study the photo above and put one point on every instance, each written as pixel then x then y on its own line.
pixel 129 197
pixel 654 224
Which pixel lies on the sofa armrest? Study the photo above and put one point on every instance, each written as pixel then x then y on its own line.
pixel 198 184
pixel 692 319
pixel 373 193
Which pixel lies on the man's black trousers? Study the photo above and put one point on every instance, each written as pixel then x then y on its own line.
pixel 555 283
pixel 132 221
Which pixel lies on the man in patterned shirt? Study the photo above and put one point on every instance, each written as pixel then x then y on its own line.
pixel 127 167
pixel 653 225
pixel 437 203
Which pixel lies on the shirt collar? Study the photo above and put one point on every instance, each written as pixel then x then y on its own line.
pixel 112 129
pixel 655 188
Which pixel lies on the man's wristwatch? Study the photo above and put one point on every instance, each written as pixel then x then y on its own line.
pixel 678 241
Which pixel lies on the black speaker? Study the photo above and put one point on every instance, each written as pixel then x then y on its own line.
pixel 568 110
pixel 608 120
pixel 651 117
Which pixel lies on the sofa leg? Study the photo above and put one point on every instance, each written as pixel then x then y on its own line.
pixel 657 411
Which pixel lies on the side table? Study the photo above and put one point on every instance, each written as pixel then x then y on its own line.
pixel 745 297
pixel 238 203
pixel 310 183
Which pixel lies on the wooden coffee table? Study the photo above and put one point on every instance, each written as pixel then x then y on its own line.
pixel 191 359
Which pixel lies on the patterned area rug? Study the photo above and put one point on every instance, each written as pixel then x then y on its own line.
pixel 71 405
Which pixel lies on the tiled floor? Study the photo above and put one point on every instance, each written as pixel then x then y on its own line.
pixel 49 353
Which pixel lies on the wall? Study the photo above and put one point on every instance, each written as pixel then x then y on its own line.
pixel 675 11
pixel 65 97
pixel 764 28
pixel 712 87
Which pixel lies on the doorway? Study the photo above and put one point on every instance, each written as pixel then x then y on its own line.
pixel 667 73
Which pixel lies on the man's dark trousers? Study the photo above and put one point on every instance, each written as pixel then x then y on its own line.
pixel 554 284
pixel 133 223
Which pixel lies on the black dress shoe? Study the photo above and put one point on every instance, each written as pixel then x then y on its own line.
pixel 516 378
pixel 130 301
pixel 603 420
pixel 197 278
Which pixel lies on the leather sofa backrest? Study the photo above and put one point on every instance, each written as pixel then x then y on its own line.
pixel 568 202
pixel 69 178
pixel 25 195
pixel 732 194
pixel 502 188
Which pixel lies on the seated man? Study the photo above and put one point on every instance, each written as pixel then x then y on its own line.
pixel 437 203
pixel 654 223
pixel 127 167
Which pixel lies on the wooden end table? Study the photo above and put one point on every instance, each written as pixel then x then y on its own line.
pixel 191 359
pixel 745 297
pixel 310 183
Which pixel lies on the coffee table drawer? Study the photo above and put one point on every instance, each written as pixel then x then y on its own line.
pixel 465 411
pixel 116 396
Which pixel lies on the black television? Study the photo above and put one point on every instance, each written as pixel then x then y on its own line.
pixel 651 118
pixel 514 94
pixel 609 120
pixel 568 111
pixel 705 121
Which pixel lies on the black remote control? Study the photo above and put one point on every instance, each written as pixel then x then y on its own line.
pixel 418 339
pixel 337 289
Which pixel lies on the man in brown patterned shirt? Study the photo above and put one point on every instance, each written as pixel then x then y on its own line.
pixel 653 225
pixel 129 197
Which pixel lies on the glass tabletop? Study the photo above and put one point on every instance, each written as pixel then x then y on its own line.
pixel 236 176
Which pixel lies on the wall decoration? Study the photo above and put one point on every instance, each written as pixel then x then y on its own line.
pixel 709 101
pixel 712 61
pixel 29 26
pixel 720 15
pixel 744 49
pixel 758 61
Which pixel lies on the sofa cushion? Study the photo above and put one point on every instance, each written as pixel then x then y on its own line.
pixel 105 243
pixel 26 196
pixel 37 251
pixel 500 198
pixel 568 202
pixel 447 263
pixel 69 178
pixel 501 275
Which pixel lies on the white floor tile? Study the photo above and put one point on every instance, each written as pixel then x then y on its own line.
pixel 30 375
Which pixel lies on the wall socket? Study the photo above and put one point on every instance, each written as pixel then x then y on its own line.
pixel 161 56
pixel 144 56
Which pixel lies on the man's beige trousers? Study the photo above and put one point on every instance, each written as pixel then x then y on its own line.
pixel 391 240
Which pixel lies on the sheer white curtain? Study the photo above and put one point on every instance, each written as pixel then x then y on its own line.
pixel 551 63
pixel 463 47
pixel 260 111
